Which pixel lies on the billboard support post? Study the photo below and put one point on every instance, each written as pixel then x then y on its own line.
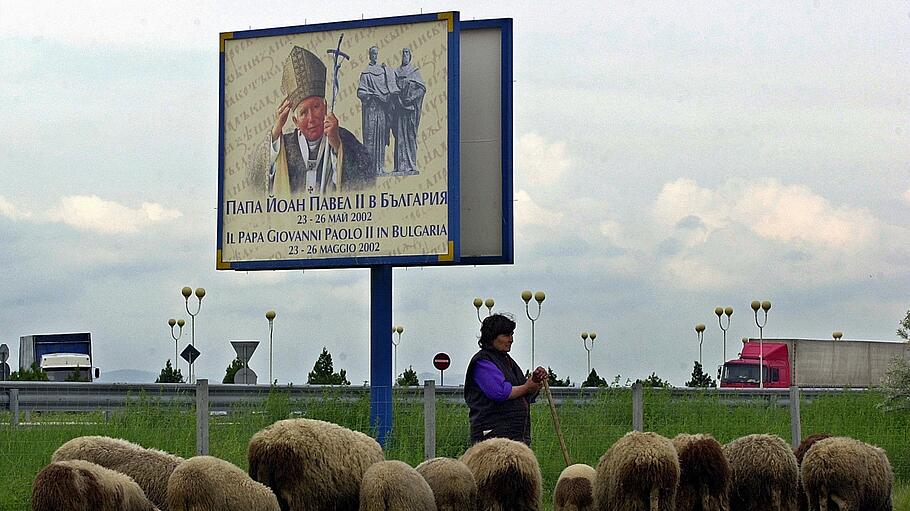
pixel 380 351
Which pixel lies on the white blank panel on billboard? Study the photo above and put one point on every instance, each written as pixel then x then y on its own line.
pixel 482 177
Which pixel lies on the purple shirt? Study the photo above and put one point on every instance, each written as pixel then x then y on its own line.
pixel 491 381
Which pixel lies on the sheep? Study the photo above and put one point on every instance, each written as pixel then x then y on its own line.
pixel 204 483
pixel 575 489
pixel 764 474
pixel 847 473
pixel 150 468
pixel 801 499
pixel 78 485
pixel 452 483
pixel 312 464
pixel 395 486
pixel 704 474
pixel 639 472
pixel 507 475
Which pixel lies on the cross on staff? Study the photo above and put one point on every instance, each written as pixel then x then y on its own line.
pixel 325 162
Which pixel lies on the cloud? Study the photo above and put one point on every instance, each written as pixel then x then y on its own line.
pixel 9 210
pixel 540 161
pixel 92 213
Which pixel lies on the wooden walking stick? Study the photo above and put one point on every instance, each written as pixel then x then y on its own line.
pixel 562 441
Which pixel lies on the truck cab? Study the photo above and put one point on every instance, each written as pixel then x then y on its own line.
pixel 744 371
pixel 67 366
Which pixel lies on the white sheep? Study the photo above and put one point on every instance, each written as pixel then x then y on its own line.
pixel 204 483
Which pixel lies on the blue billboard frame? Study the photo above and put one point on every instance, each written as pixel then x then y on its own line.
pixel 453 148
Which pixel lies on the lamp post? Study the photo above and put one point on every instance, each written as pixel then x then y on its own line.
pixel 765 306
pixel 489 305
pixel 396 330
pixel 724 311
pixel 270 315
pixel 178 322
pixel 200 294
pixel 700 332
pixel 837 335
pixel 539 297
pixel 584 339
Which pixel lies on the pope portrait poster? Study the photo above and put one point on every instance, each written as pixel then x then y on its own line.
pixel 335 144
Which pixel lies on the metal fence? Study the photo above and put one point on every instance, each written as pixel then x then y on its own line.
pixel 36 417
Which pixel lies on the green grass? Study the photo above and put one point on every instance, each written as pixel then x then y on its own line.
pixel 589 429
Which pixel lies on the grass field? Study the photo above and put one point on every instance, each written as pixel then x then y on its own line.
pixel 589 427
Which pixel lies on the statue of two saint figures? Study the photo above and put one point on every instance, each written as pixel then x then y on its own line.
pixel 392 99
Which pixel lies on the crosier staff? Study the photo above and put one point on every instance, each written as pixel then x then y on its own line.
pixel 325 161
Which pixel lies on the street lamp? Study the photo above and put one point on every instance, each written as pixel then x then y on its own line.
pixel 178 322
pixel 765 306
pixel 724 311
pixel 539 297
pixel 270 315
pixel 396 330
pixel 489 305
pixel 200 294
pixel 700 332
pixel 584 339
pixel 837 335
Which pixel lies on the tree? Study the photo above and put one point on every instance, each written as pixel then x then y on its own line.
pixel 34 373
pixel 699 378
pixel 408 378
pixel 553 381
pixel 323 372
pixel 896 385
pixel 654 381
pixel 169 375
pixel 231 370
pixel 594 380
pixel 904 330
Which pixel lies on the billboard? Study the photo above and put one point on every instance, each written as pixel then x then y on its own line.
pixel 339 145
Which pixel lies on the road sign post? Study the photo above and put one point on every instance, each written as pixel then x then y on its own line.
pixel 441 361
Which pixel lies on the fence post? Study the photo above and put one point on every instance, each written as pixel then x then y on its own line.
pixel 202 417
pixel 795 426
pixel 638 408
pixel 14 407
pixel 429 419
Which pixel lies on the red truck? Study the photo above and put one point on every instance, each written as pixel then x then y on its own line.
pixel 815 363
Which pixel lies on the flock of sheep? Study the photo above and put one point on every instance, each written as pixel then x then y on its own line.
pixel 305 464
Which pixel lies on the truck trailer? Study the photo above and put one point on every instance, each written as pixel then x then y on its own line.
pixel 812 363
pixel 61 356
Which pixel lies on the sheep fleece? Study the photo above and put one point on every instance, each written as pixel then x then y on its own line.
pixel 311 464
pixel 507 475
pixel 575 489
pixel 638 473
pixel 704 474
pixel 765 474
pixel 150 468
pixel 849 472
pixel 395 486
pixel 452 483
pixel 204 483
pixel 800 453
pixel 77 485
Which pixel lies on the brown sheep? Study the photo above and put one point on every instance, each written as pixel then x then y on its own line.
pixel 77 485
pixel 395 486
pixel 312 464
pixel 150 468
pixel 704 474
pixel 801 499
pixel 847 473
pixel 638 473
pixel 507 475
pixel 452 483
pixel 204 483
pixel 765 474
pixel 575 489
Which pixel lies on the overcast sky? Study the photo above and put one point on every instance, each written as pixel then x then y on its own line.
pixel 669 158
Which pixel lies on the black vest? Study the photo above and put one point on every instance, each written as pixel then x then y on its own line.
pixel 505 419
